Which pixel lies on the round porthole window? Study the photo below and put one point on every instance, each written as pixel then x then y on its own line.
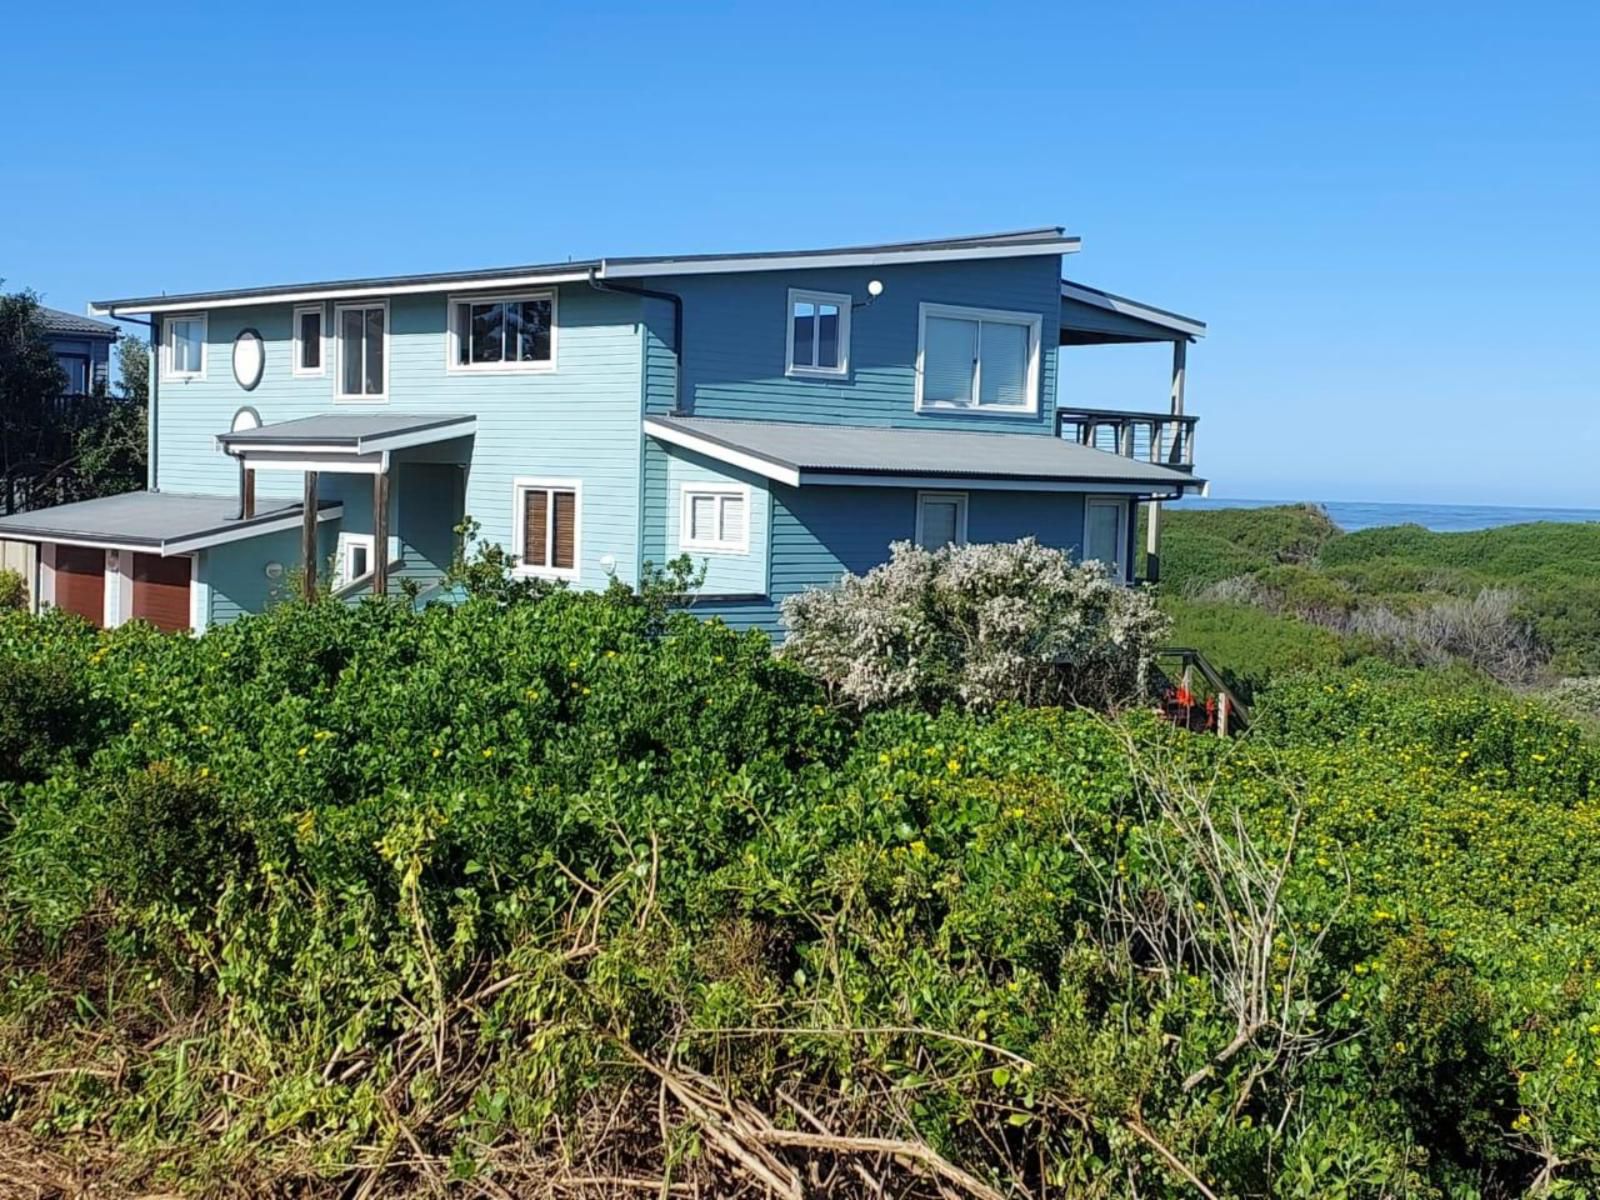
pixel 249 358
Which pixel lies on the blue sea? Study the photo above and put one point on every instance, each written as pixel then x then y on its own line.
pixel 1351 515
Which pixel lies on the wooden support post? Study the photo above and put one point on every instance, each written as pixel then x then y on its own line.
pixel 1180 358
pixel 248 508
pixel 1152 542
pixel 1224 707
pixel 308 536
pixel 380 534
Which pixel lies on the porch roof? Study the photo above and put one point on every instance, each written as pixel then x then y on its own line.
pixel 350 442
pixel 1090 316
pixel 163 523
pixel 801 454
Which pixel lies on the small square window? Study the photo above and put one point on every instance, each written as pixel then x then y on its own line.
pixel 941 519
pixel 819 333
pixel 184 347
pixel 715 518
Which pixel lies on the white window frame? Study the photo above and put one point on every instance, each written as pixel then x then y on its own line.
pixel 339 394
pixel 1118 569
pixel 1033 322
pixel 452 339
pixel 805 370
pixel 322 358
pixel 686 540
pixel 348 544
pixel 960 499
pixel 167 322
pixel 519 510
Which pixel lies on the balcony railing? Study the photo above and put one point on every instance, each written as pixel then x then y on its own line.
pixel 1153 437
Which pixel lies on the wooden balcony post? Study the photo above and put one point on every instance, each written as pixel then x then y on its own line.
pixel 380 533
pixel 248 508
pixel 1180 357
pixel 308 535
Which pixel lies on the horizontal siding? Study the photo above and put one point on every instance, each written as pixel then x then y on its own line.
pixel 580 420
pixel 820 534
pixel 735 341
pixel 739 574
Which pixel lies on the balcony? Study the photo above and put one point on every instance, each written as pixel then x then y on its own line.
pixel 1166 439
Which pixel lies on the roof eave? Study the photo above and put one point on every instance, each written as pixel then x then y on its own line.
pixel 1137 309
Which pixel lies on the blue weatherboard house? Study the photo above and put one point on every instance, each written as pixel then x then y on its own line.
pixel 781 417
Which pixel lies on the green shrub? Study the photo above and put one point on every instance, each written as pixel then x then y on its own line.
pixel 1203 546
pixel 13 591
pixel 1251 647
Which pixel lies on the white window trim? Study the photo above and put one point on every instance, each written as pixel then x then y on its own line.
pixel 350 542
pixel 322 358
pixel 339 395
pixel 1034 324
pixel 1118 569
pixel 518 516
pixel 167 371
pixel 960 499
pixel 803 370
pixel 452 340
pixel 686 542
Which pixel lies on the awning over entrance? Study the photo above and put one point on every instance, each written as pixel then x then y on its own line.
pixel 160 523
pixel 803 455
pixel 353 442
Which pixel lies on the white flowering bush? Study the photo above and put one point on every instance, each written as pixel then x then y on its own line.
pixel 977 625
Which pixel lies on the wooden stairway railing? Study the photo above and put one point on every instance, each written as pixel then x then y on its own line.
pixel 1223 711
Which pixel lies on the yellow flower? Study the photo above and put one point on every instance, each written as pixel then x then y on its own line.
pixel 953 766
pixel 437 752
pixel 919 847
pixel 488 753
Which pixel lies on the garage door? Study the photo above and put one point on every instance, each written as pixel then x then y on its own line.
pixel 81 582
pixel 161 591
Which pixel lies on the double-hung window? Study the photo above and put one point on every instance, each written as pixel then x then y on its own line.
pixel 819 333
pixel 307 348
pixel 361 338
pixel 183 347
pixel 978 360
pixel 502 333
pixel 1105 533
pixel 547 527
pixel 941 519
pixel 715 518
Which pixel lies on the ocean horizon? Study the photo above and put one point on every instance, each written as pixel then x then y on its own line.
pixel 1351 515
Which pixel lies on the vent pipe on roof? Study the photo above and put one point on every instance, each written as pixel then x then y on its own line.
pixel 676 301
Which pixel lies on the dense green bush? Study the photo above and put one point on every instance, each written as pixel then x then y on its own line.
pixel 13 591
pixel 1251 647
pixel 513 896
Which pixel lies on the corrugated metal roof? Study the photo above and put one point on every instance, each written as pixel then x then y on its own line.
pixel 60 323
pixel 154 520
pixel 1043 240
pixel 954 454
pixel 349 429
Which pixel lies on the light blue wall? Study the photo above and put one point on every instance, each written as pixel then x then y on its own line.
pixel 735 341
pixel 735 574
pixel 820 533
pixel 580 420
pixel 236 574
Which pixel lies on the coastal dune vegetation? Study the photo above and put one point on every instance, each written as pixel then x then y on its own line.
pixel 566 894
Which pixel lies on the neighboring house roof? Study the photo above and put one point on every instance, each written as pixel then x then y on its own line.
pixel 1049 239
pixel 59 323
pixel 798 454
pixel 1136 309
pixel 351 433
pixel 154 522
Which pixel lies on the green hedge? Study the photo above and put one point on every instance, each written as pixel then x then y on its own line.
pixel 345 896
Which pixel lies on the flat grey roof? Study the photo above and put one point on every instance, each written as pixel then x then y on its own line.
pixel 355 432
pixel 1048 239
pixel 162 522
pixel 951 453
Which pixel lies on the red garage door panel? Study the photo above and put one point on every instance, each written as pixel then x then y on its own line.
pixel 161 591
pixel 81 582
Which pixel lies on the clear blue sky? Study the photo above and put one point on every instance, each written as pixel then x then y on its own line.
pixel 1388 213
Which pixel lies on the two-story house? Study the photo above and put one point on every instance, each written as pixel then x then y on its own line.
pixel 781 417
pixel 82 346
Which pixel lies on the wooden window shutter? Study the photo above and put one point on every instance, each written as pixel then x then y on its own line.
pixel 566 527
pixel 534 524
